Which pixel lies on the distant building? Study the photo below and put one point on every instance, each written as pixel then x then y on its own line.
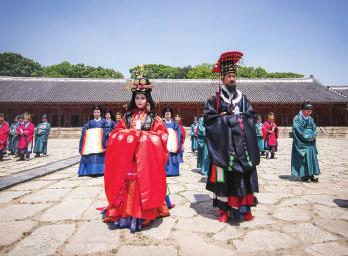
pixel 69 101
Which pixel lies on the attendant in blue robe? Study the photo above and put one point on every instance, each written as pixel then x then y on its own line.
pixel 109 124
pixel 92 164
pixel 260 140
pixel 194 134
pixel 172 166
pixel 203 157
pixel 304 161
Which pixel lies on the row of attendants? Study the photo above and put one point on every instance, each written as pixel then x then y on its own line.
pixel 96 132
pixel 267 136
pixel 21 138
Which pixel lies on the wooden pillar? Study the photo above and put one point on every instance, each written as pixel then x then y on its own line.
pixel 59 116
pixel 80 115
pixel 330 113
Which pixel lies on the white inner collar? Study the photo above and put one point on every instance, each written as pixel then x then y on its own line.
pixel 229 99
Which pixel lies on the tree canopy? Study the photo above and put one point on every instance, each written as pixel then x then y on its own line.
pixel 204 71
pixel 66 69
pixel 159 71
pixel 13 64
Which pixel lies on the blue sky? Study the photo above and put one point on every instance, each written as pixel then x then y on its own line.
pixel 302 36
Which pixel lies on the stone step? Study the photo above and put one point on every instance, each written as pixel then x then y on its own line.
pixel 284 132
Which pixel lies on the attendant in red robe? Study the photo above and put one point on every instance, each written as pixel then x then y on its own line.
pixel 177 119
pixel 270 133
pixel 136 154
pixel 25 135
pixel 4 133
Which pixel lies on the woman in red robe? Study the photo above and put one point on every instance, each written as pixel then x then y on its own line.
pixel 136 154
pixel 270 133
pixel 25 135
pixel 4 133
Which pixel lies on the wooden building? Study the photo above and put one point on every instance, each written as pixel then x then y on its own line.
pixel 68 102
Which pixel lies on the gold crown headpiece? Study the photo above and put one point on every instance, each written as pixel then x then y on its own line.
pixel 140 83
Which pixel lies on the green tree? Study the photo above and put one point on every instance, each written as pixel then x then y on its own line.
pixel 158 71
pixel 202 71
pixel 66 69
pixel 183 72
pixel 14 64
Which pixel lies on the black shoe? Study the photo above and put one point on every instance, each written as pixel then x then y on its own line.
pixel 262 153
pixel 37 155
pixel 272 155
pixel 313 179
pixel 305 179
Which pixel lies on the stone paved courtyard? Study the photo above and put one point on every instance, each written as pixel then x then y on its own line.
pixel 57 149
pixel 56 215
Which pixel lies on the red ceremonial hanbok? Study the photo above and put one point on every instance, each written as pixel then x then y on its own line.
pixel 4 133
pixel 25 133
pixel 135 177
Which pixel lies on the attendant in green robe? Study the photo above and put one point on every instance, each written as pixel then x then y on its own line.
pixel 194 134
pixel 41 136
pixel 12 141
pixel 260 141
pixel 304 161
pixel 203 158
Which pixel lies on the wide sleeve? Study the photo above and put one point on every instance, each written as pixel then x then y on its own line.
pixel 265 130
pixel 218 134
pixel 160 129
pixel 315 130
pixel 192 131
pixel 85 127
pixel 227 135
pixel 48 129
pixel 178 132
pixel 298 131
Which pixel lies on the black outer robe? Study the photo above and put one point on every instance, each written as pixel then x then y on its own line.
pixel 225 138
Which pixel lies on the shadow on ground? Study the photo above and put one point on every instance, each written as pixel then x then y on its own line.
pixel 341 203
pixel 289 177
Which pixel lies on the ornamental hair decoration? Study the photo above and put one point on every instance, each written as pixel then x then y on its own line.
pixel 140 83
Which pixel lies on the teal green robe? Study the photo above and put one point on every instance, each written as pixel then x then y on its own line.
pixel 12 140
pixel 193 138
pixel 41 137
pixel 260 141
pixel 304 161
pixel 202 157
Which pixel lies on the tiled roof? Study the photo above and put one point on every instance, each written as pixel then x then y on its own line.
pixel 68 90
pixel 341 90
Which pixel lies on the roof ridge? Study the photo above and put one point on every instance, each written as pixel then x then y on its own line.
pixel 338 93
pixel 63 79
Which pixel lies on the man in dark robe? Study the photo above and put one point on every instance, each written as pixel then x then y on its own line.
pixel 229 121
